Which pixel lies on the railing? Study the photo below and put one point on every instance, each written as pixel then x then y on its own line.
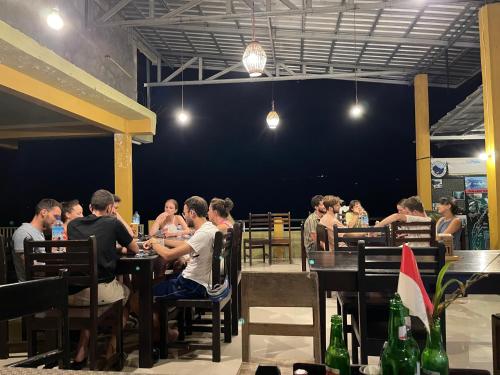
pixel 7 232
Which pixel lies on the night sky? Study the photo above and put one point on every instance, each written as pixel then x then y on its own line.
pixel 228 151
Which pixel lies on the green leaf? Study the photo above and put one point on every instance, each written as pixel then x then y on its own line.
pixel 439 281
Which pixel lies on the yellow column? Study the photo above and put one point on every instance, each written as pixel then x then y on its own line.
pixel 422 139
pixel 123 174
pixel 489 31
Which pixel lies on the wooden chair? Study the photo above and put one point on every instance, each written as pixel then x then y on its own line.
pixel 378 272
pixel 322 242
pixel 4 326
pixel 303 253
pixel 347 302
pixel 281 241
pixel 7 276
pixel 296 289
pixel 38 296
pixel 495 335
pixel 380 237
pixel 236 276
pixel 424 232
pixel 80 259
pixel 256 223
pixel 215 306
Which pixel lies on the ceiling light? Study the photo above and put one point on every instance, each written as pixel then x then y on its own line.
pixel 54 19
pixel 183 117
pixel 273 119
pixel 254 57
pixel 356 111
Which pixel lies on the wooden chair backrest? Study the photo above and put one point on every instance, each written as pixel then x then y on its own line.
pixel 382 237
pixel 295 289
pixel 303 253
pixel 413 232
pixel 259 222
pixel 221 256
pixel 322 242
pixel 378 267
pixel 80 260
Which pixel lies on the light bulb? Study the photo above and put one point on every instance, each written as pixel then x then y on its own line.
pixel 356 111
pixel 183 117
pixel 54 20
pixel 273 119
pixel 483 156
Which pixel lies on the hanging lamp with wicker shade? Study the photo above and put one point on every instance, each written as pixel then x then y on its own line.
pixel 254 57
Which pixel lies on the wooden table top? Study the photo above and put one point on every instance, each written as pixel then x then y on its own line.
pixel 469 261
pixel 36 371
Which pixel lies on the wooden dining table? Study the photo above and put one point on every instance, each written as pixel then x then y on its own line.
pixel 338 271
pixel 142 269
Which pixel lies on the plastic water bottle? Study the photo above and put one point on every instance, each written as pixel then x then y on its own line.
pixel 364 219
pixel 58 234
pixel 136 219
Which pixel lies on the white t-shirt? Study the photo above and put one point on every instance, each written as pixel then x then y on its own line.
pixel 199 268
pixel 418 219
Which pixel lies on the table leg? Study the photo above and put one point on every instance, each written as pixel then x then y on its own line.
pixel 4 340
pixel 145 276
pixel 322 319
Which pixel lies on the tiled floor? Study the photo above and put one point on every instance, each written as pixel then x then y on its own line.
pixel 468 329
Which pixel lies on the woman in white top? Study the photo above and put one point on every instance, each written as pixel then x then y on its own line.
pixel 168 222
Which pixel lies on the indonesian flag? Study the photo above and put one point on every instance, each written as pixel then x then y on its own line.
pixel 411 289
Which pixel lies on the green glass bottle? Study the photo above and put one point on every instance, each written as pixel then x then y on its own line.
pixel 337 359
pixel 434 358
pixel 412 343
pixel 397 358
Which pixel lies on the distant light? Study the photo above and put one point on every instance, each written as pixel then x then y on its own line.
pixel 183 117
pixel 484 156
pixel 356 111
pixel 54 20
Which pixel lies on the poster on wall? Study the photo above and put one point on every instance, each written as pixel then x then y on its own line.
pixel 476 202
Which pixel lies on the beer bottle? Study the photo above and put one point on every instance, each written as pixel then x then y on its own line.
pixel 412 343
pixel 397 359
pixel 337 359
pixel 434 358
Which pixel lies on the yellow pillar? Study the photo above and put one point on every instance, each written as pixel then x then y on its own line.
pixel 489 31
pixel 123 174
pixel 422 139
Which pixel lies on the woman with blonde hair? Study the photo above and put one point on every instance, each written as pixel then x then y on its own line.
pixel 168 222
pixel 219 213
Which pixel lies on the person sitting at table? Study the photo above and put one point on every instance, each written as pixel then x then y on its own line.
pixel 312 222
pixel 168 222
pixel 70 210
pixel 329 219
pixel 194 280
pixel 219 213
pixel 400 206
pixel 353 216
pixel 413 211
pixel 45 215
pixel 108 230
pixel 449 223
pixel 115 213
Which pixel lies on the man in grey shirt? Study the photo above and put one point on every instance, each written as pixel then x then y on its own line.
pixel 45 215
pixel 312 221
